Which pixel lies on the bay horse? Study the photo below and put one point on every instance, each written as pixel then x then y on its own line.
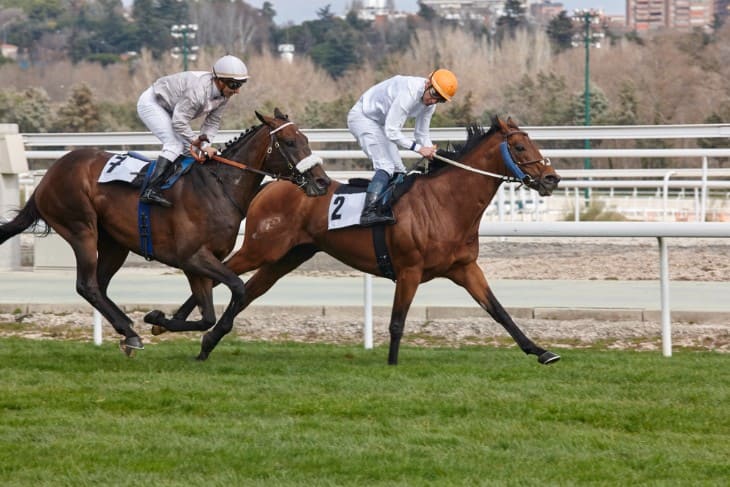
pixel 100 221
pixel 436 234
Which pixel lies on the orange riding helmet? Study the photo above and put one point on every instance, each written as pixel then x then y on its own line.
pixel 444 81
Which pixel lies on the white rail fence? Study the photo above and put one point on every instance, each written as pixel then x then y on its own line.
pixel 510 201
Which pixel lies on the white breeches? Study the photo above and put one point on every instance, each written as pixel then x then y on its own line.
pixel 373 141
pixel 159 122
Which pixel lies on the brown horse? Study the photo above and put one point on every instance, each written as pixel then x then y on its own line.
pixel 100 221
pixel 436 234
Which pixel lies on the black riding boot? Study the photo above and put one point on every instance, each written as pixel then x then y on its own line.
pixel 152 193
pixel 375 213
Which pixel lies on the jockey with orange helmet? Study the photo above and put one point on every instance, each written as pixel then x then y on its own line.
pixel 377 121
pixel 172 102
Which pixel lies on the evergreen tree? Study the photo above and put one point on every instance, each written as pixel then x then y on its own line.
pixel 79 113
pixel 560 31
pixel 30 109
pixel 514 18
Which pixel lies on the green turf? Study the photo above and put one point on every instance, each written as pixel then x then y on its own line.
pixel 317 415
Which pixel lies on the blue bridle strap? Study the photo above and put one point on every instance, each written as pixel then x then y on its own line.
pixel 510 163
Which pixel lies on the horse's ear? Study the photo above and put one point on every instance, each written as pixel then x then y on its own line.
pixel 511 122
pixel 259 116
pixel 278 114
pixel 504 127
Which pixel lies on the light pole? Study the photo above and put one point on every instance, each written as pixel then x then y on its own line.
pixel 587 17
pixel 186 32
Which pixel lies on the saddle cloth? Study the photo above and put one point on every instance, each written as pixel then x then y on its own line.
pixel 132 167
pixel 345 207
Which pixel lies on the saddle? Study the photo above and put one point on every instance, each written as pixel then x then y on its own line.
pixel 132 167
pixel 397 187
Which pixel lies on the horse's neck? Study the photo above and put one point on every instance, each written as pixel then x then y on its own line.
pixel 469 193
pixel 239 184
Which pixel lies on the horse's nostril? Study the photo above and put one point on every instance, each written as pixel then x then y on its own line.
pixel 551 179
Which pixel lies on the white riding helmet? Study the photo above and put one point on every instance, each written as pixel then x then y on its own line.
pixel 230 67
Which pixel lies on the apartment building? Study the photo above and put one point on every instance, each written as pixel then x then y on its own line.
pixel 647 15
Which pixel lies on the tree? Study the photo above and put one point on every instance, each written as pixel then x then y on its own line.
pixel 598 106
pixel 544 100
pixel 30 109
pixel 560 31
pixel 514 18
pixel 79 113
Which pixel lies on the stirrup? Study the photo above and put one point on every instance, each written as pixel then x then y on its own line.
pixel 374 218
pixel 152 197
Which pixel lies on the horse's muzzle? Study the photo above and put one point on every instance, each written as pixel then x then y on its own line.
pixel 546 184
pixel 316 185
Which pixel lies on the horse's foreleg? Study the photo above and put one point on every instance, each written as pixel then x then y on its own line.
pixel 258 284
pixel 405 289
pixel 471 278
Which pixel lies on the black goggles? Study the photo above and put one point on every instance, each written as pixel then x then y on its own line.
pixel 233 84
pixel 435 94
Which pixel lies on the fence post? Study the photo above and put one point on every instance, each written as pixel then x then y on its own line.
pixel 12 163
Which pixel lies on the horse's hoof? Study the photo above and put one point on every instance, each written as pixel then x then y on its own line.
pixel 130 345
pixel 158 330
pixel 155 317
pixel 206 346
pixel 548 358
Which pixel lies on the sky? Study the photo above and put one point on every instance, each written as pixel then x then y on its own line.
pixel 297 11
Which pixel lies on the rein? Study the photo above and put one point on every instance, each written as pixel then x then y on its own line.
pixel 245 167
pixel 518 176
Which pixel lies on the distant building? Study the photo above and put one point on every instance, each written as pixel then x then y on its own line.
pixel 647 15
pixel 286 51
pixel 9 51
pixel 462 10
pixel 372 9
pixel 544 12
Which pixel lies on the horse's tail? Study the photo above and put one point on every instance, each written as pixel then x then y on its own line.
pixel 28 217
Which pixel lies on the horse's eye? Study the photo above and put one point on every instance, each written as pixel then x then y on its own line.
pixel 519 148
pixel 290 143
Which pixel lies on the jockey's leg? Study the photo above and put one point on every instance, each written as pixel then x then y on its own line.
pixel 372 213
pixel 152 192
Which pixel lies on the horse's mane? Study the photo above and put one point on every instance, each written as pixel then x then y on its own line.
pixel 475 133
pixel 234 142
pixel 246 134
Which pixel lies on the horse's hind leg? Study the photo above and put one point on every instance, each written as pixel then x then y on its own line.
pixel 265 277
pixel 202 296
pixel 110 258
pixel 472 279
pixel 83 241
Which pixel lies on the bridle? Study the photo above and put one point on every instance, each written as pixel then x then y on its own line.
pixel 518 175
pixel 297 175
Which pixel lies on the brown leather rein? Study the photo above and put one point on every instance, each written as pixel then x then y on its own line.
pixel 201 159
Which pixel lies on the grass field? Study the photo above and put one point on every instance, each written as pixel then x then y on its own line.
pixel 318 415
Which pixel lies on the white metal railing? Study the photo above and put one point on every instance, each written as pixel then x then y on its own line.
pixel 52 146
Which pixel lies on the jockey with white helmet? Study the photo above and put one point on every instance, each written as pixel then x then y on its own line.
pixel 172 102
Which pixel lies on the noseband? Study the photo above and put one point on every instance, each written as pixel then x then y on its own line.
pixel 297 168
pixel 516 167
